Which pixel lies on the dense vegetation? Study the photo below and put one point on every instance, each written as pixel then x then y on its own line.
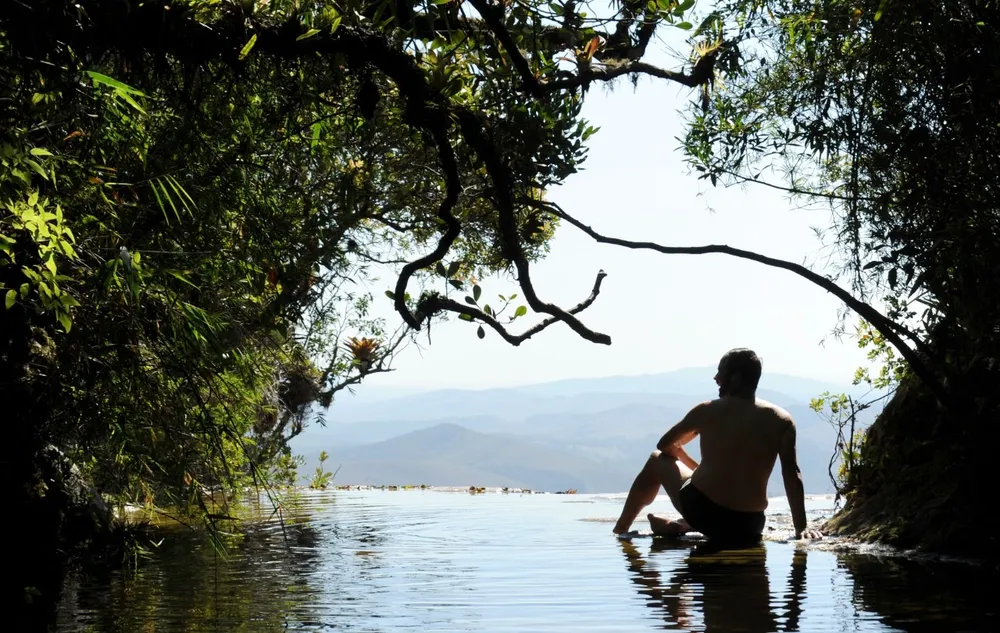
pixel 888 111
pixel 193 194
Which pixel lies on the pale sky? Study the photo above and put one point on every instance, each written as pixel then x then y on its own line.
pixel 663 312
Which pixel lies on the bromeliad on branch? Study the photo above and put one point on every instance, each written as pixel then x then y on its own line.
pixel 364 352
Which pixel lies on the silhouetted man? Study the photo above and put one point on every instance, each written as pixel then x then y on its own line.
pixel 741 436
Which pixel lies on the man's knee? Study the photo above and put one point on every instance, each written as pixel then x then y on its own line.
pixel 664 464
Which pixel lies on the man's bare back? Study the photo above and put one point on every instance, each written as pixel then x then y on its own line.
pixel 740 441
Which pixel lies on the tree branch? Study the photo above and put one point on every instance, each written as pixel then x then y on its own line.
pixel 472 130
pixel 381 367
pixel 113 27
pixel 493 16
pixel 884 325
pixel 437 303
pixel 613 71
pixel 795 190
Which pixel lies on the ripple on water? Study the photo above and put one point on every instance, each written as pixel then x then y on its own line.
pixel 436 561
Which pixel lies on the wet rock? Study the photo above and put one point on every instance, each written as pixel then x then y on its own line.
pixel 84 512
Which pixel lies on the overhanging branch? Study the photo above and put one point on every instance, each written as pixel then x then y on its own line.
pixel 438 303
pixel 883 324
pixel 472 131
pixel 454 227
pixel 112 27
pixel 613 71
pixel 493 16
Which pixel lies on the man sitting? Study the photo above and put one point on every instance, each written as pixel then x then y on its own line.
pixel 741 436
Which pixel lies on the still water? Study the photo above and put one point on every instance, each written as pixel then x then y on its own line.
pixel 452 561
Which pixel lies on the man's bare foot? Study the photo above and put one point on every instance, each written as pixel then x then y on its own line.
pixel 666 527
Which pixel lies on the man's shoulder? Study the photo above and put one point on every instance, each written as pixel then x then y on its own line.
pixel 702 411
pixel 773 409
pixel 708 405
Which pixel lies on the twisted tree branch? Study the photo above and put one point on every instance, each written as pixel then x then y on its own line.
pixel 472 131
pixel 615 70
pixel 885 326
pixel 112 26
pixel 493 17
pixel 439 303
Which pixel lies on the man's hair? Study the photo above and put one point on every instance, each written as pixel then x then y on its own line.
pixel 746 363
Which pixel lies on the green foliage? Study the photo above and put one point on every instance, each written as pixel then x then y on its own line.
pixel 891 368
pixel 841 411
pixel 44 241
pixel 199 193
pixel 196 194
pixel 877 108
pixel 321 478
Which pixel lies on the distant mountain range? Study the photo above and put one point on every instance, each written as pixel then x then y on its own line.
pixel 587 434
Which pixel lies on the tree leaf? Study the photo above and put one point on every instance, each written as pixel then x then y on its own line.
pixel 37 168
pixel 465 317
pixel 10 299
pixel 390 294
pixel 307 35
pixel 476 292
pixel 98 78
pixel 470 301
pixel 439 268
pixel 64 320
pixel 453 268
pixel 248 47
pixel 521 311
pixel 881 10
pixel 455 283
pixel 480 332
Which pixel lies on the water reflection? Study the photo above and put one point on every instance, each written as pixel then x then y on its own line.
pixel 720 591
pixel 193 586
pixel 447 563
pixel 923 596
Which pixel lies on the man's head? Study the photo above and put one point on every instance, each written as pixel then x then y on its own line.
pixel 739 373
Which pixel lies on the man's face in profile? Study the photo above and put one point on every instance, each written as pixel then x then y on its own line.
pixel 723 378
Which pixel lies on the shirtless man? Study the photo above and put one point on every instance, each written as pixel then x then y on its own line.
pixel 741 437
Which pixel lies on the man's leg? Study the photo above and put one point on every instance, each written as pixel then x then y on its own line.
pixel 660 470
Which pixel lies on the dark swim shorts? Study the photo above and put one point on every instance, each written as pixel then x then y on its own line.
pixel 718 522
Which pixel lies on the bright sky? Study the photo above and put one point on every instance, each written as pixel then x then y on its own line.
pixel 662 312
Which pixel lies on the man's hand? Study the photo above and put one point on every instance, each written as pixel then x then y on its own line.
pixel 808 535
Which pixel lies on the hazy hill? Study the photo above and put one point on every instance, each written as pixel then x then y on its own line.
pixel 449 455
pixel 593 432
pixel 680 388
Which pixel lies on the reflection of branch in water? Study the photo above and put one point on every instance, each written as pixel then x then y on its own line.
pixel 729 588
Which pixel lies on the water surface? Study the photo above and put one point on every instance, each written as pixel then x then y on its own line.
pixel 452 561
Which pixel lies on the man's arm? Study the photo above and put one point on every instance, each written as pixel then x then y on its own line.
pixel 682 433
pixel 792 477
pixel 681 455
